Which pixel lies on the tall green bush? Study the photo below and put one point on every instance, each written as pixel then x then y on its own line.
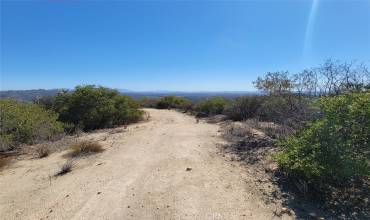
pixel 90 107
pixel 126 110
pixel 212 106
pixel 335 147
pixel 168 102
pixel 26 123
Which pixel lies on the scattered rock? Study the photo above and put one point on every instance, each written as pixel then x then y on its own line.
pixel 262 180
pixel 284 211
pixel 271 168
pixel 188 169
pixel 99 193
pixel 312 215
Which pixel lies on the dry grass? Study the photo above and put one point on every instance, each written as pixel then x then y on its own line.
pixel 271 129
pixel 239 130
pixel 85 147
pixel 42 151
pixel 65 168
pixel 146 116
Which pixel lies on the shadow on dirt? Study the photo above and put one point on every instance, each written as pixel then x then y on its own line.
pixel 306 200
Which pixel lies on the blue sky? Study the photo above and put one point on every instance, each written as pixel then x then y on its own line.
pixel 173 45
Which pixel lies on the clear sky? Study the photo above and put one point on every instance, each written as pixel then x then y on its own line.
pixel 173 45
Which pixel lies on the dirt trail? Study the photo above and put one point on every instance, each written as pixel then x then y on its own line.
pixel 141 175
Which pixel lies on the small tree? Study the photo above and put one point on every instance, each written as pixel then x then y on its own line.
pixel 306 82
pixel 337 77
pixel 275 83
pixel 283 105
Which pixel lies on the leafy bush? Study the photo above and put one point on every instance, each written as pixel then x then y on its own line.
pixel 146 102
pixel 168 102
pixel 335 147
pixel 26 123
pixel 212 106
pixel 6 143
pixel 90 107
pixel 126 110
pixel 245 107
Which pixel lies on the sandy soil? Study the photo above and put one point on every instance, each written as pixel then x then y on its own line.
pixel 142 174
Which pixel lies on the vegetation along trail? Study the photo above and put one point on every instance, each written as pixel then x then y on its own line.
pixel 166 168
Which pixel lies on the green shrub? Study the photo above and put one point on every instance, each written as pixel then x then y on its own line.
pixel 126 110
pixel 146 102
pixel 6 142
pixel 26 123
pixel 212 106
pixel 168 102
pixel 243 108
pixel 335 147
pixel 90 107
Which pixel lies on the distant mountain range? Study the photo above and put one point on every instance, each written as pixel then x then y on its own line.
pixel 195 96
pixel 33 94
pixel 29 95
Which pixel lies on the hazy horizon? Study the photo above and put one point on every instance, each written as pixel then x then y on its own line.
pixel 148 91
pixel 174 46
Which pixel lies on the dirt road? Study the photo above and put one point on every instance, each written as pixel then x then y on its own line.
pixel 166 168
